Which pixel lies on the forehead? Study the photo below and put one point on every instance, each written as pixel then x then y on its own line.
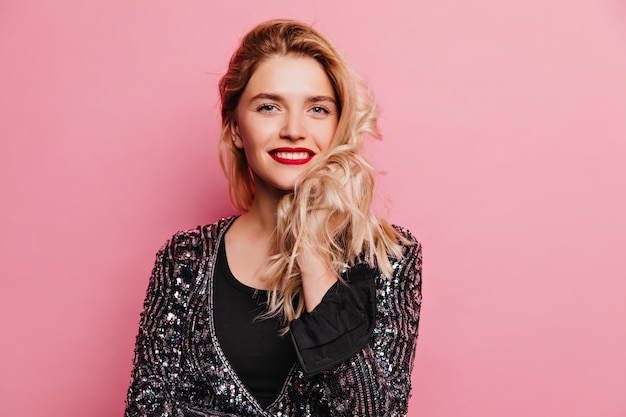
pixel 290 76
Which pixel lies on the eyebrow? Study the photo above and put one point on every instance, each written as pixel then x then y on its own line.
pixel 276 97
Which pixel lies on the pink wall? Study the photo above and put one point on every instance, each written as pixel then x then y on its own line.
pixel 505 146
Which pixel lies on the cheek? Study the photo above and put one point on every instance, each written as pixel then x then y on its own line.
pixel 330 134
pixel 255 132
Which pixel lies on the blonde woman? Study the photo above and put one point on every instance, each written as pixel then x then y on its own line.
pixel 306 304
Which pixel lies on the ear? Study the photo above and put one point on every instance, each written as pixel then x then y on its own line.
pixel 234 134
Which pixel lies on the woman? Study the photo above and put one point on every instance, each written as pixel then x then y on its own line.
pixel 307 304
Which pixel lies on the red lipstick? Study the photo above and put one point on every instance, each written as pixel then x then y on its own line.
pixel 292 156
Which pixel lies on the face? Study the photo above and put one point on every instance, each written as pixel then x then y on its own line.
pixel 286 117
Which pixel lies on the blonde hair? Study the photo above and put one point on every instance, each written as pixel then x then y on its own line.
pixel 339 182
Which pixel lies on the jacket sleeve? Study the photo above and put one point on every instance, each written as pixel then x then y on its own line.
pixel 155 383
pixel 340 325
pixel 370 376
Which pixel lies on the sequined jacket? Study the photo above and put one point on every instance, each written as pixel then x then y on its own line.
pixel 181 371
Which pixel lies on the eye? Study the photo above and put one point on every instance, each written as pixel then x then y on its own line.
pixel 266 108
pixel 320 110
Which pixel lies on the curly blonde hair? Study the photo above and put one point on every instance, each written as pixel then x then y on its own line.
pixel 340 182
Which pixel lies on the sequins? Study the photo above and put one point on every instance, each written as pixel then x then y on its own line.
pixel 179 370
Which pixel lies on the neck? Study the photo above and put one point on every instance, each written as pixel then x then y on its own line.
pixel 260 219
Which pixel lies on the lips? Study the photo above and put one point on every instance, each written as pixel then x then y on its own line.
pixel 292 156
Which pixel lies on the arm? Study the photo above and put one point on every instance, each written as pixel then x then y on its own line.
pixel 155 379
pixel 376 379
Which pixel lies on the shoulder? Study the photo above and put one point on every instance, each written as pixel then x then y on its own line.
pixel 186 247
pixel 192 239
pixel 411 247
pixel 407 270
pixel 406 233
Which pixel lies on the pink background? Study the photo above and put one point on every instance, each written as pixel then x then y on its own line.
pixel 505 147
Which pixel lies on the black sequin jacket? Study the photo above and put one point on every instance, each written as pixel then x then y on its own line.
pixel 181 371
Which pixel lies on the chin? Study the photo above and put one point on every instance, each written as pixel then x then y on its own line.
pixel 285 188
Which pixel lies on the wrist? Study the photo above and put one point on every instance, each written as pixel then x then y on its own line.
pixel 317 277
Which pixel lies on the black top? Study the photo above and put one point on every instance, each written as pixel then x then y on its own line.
pixel 258 354
pixel 336 329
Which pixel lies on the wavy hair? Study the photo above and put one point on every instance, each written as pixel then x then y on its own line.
pixel 339 183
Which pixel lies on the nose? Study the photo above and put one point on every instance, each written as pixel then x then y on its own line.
pixel 294 128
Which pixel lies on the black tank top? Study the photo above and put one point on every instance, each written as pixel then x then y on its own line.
pixel 261 358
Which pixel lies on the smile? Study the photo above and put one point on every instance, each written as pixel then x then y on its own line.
pixel 292 156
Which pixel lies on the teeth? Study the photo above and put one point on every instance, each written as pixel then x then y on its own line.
pixel 292 155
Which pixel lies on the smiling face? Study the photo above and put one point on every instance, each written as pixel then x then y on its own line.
pixel 286 117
